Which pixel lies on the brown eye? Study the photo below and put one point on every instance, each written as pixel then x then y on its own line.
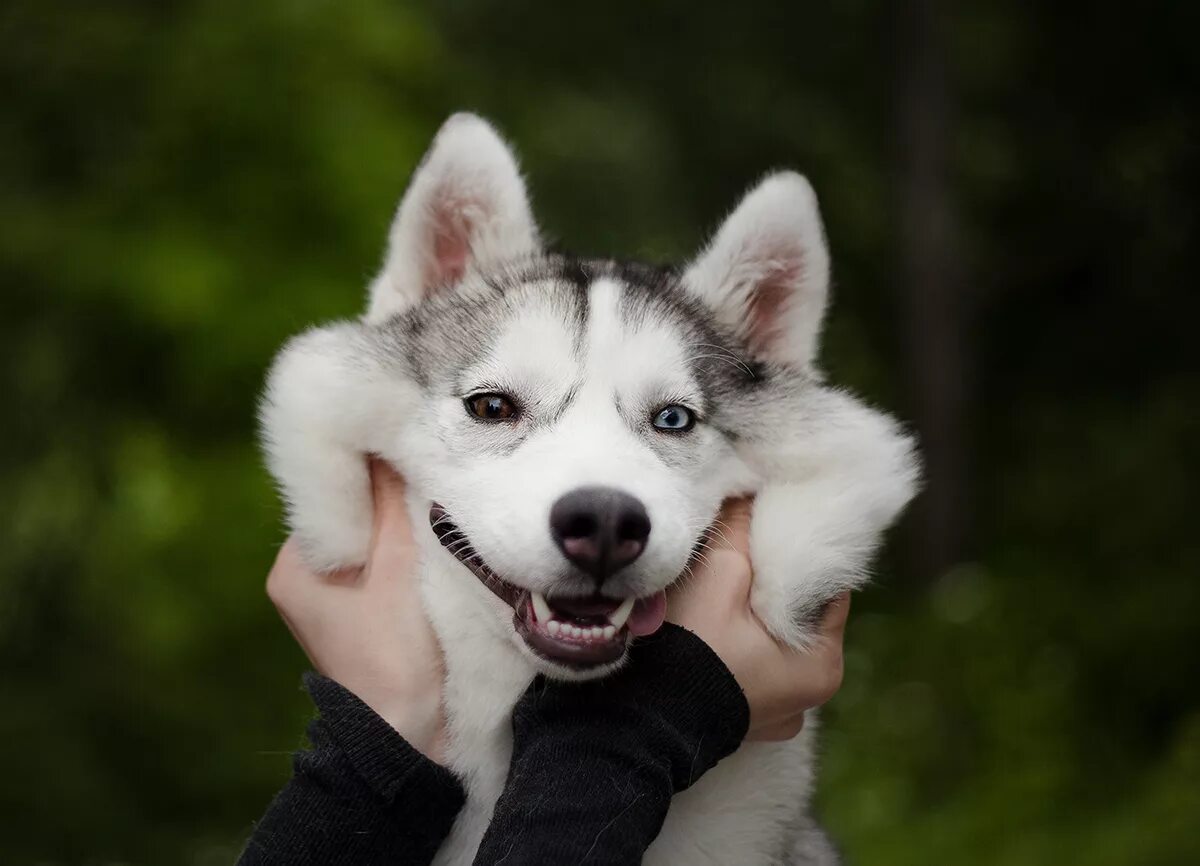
pixel 491 407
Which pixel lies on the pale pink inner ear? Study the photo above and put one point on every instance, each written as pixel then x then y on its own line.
pixel 452 224
pixel 769 300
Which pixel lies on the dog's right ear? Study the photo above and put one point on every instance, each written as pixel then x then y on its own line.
pixel 465 208
pixel 766 273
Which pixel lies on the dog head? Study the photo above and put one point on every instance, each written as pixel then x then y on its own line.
pixel 583 420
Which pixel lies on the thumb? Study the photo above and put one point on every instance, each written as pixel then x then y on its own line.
pixel 721 575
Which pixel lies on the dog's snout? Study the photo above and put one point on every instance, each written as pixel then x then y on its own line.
pixel 600 529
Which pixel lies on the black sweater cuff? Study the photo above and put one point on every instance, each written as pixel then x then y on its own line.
pixel 687 684
pixel 383 759
pixel 361 796
pixel 674 697
pixel 595 764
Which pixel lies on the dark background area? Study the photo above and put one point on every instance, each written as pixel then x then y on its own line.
pixel 1009 191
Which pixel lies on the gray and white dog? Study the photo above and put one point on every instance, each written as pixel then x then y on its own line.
pixel 568 429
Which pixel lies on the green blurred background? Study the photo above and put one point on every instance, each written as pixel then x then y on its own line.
pixel 1010 194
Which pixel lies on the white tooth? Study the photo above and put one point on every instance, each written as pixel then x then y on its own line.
pixel 541 608
pixel 597 632
pixel 553 627
pixel 609 632
pixel 621 614
pixel 576 631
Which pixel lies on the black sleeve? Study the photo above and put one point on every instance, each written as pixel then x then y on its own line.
pixel 362 795
pixel 595 764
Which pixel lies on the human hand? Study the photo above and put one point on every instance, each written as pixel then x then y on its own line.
pixel 366 627
pixel 780 683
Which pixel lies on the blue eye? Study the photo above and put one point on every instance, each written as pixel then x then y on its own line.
pixel 675 419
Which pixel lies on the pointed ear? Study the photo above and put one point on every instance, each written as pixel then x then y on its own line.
pixel 465 208
pixel 766 273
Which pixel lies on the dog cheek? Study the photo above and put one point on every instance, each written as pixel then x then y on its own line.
pixel 506 519
pixel 676 522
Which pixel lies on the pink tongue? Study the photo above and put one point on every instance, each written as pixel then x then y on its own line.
pixel 648 614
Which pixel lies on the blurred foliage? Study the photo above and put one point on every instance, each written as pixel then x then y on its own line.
pixel 184 184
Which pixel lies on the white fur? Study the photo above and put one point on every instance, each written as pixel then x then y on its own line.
pixel 325 406
pixel 836 484
pixel 827 483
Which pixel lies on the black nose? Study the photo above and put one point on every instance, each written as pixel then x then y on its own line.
pixel 599 529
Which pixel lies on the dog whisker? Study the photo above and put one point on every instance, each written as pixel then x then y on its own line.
pixel 731 361
pixel 728 355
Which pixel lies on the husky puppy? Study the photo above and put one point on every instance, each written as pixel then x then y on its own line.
pixel 568 429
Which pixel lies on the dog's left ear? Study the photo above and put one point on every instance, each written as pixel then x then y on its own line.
pixel 465 208
pixel 766 272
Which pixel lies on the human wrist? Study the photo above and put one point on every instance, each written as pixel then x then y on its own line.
pixel 383 757
pixel 411 708
pixel 420 722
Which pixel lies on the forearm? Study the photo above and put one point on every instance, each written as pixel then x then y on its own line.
pixel 595 765
pixel 572 799
pixel 362 795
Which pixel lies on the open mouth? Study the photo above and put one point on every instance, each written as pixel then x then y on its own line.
pixel 579 632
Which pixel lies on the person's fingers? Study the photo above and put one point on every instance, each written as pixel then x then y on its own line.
pixel 721 570
pixel 825 651
pixel 807 678
pixel 819 668
pixel 391 510
pixel 731 529
pixel 284 572
pixel 829 652
pixel 718 585
pixel 837 613
pixel 290 585
pixel 778 732
pixel 301 637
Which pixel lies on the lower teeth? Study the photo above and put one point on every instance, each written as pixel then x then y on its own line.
pixel 607 629
pixel 595 632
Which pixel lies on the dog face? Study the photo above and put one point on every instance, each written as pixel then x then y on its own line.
pixel 582 420
pixel 574 445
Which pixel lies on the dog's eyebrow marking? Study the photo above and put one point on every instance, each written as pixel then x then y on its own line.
pixel 627 415
pixel 580 300
pixel 576 272
pixel 564 404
